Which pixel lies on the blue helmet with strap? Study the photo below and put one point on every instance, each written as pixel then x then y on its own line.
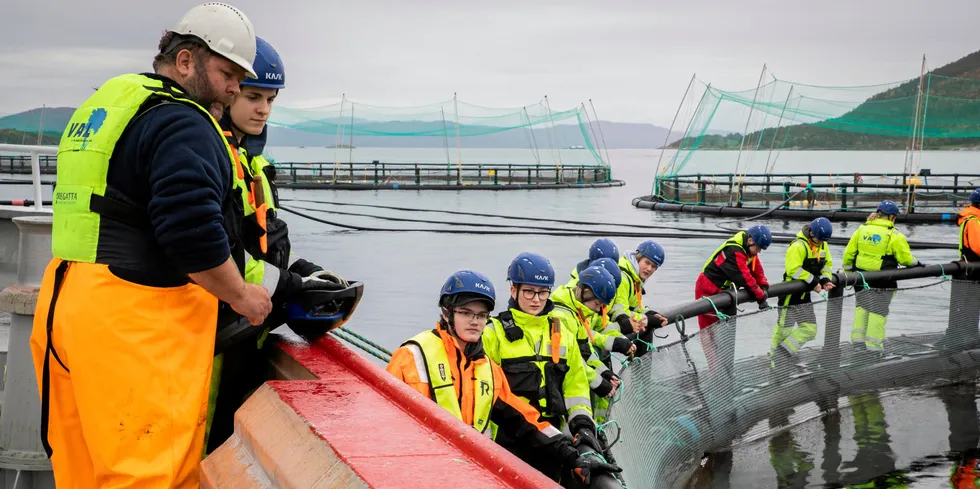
pixel 610 266
pixel 466 286
pixel 531 269
pixel 268 67
pixel 888 208
pixel 313 313
pixel 603 248
pixel 652 251
pixel 760 235
pixel 821 229
pixel 975 197
pixel 600 282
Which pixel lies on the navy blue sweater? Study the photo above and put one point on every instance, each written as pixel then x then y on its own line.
pixel 172 162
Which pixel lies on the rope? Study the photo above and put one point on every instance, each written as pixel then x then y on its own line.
pixel 601 428
pixel 720 315
pixel 364 339
pixel 367 349
pixel 865 282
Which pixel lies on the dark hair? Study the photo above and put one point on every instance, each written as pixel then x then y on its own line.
pixel 172 43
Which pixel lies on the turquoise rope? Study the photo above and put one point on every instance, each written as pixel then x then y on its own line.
pixel 721 316
pixel 365 348
pixel 365 340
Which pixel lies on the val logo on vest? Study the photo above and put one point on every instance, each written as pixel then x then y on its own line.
pixel 484 388
pixel 80 131
pixel 874 238
pixel 442 371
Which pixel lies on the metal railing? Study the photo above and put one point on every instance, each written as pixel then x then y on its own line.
pixel 34 159
pixel 946 188
pixel 381 173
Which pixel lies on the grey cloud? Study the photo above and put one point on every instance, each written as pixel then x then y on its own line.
pixel 633 58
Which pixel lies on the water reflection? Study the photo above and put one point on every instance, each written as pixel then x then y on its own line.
pixel 873 440
pixel 791 462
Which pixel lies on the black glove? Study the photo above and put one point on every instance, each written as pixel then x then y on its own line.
pixel 609 375
pixel 304 268
pixel 653 322
pixel 589 465
pixel 625 326
pixel 763 305
pixel 291 284
pixel 919 265
pixel 621 345
pixel 585 439
pixel 604 388
pixel 825 281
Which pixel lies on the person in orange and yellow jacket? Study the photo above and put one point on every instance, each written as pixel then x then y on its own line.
pixel 448 365
pixel 969 223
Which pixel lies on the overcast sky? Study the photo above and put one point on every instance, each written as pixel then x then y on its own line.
pixel 633 59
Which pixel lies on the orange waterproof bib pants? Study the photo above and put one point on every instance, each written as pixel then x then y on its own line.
pixel 124 398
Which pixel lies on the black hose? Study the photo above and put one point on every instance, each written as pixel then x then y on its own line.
pixel 758 216
pixel 499 216
pixel 504 233
pixel 483 225
pixel 696 233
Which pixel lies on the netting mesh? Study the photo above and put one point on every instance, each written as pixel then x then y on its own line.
pixel 452 125
pixel 721 387
pixel 931 112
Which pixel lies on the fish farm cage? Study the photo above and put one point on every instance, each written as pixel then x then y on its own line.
pixel 923 197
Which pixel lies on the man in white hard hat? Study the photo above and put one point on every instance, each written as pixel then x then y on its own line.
pixel 145 240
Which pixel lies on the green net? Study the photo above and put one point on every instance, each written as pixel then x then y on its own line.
pixel 930 112
pixel 549 135
pixel 741 385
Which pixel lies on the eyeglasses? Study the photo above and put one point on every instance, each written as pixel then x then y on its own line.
pixel 470 315
pixel 540 294
pixel 588 296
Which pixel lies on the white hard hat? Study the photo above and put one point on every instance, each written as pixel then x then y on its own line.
pixel 225 29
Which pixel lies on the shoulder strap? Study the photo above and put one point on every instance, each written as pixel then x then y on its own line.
pixel 511 331
pixel 119 210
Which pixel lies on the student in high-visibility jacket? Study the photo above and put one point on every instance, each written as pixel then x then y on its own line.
pixel 876 245
pixel 601 248
pixel 605 335
pixel 541 359
pixel 627 309
pixel 969 222
pixel 807 259
pixel 238 368
pixel 145 244
pixel 579 306
pixel 735 263
pixel 449 365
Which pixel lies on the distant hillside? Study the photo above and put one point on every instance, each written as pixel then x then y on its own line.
pixel 840 133
pixel 55 120
pixel 10 136
pixel 616 134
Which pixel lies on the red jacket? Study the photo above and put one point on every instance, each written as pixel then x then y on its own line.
pixel 731 264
